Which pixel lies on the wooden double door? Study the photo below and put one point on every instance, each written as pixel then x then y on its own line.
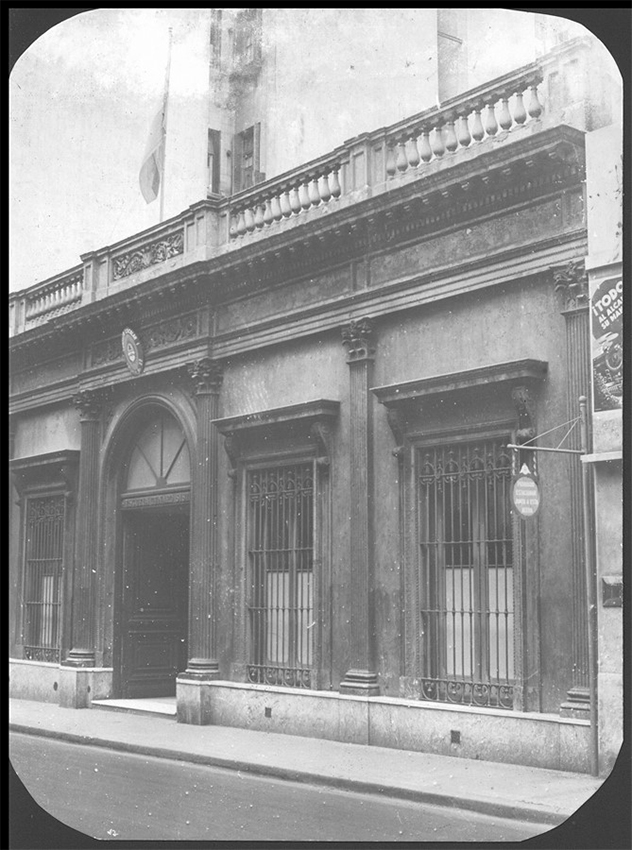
pixel 154 609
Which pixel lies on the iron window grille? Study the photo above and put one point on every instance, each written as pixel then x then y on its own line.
pixel 280 599
pixel 43 578
pixel 465 573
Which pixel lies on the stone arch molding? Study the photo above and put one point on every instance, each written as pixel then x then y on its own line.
pixel 118 437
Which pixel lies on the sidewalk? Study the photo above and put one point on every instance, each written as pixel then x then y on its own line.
pixel 502 790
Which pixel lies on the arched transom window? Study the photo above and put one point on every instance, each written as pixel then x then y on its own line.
pixel 160 456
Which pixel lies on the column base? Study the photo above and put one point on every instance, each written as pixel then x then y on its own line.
pixel 577 704
pixel 201 670
pixel 80 658
pixel 360 683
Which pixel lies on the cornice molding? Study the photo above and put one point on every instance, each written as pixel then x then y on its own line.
pixel 542 164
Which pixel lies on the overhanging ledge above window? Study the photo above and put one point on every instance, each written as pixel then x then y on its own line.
pixel 52 471
pixel 309 421
pixel 397 397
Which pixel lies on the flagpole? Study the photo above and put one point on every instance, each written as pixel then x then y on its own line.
pixel 164 125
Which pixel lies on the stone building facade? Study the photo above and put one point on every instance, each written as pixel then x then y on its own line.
pixel 261 452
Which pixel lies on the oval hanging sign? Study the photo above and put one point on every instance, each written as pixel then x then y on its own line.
pixel 525 494
pixel 133 351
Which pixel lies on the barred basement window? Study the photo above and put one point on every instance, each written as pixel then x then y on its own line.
pixel 43 578
pixel 465 573
pixel 281 579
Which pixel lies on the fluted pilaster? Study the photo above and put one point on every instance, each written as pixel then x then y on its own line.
pixel 206 375
pixel 361 678
pixel 571 284
pixel 89 404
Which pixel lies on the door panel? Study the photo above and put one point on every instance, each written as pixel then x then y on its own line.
pixel 155 593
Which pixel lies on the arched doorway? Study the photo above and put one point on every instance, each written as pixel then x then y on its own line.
pixel 154 555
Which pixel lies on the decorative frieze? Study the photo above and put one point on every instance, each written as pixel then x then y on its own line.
pixel 159 336
pixel 148 255
pixel 106 352
pixel 167 333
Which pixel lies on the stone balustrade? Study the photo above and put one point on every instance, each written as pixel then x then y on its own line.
pixel 52 298
pixel 362 167
pixel 509 102
pixel 292 194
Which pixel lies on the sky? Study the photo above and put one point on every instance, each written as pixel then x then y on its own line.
pixel 81 101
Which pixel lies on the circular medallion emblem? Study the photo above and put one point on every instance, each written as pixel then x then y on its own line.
pixel 133 351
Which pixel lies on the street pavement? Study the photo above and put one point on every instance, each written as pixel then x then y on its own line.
pixel 111 795
pixel 507 791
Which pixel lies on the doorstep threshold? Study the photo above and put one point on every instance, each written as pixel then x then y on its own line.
pixel 162 706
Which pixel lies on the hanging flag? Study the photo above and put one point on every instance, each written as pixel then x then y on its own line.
pixel 151 171
pixel 153 161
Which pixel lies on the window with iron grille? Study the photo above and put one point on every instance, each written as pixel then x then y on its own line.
pixel 465 573
pixel 43 578
pixel 281 577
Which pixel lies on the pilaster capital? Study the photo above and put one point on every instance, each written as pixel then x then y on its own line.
pixel 89 403
pixel 571 284
pixel 207 375
pixel 358 337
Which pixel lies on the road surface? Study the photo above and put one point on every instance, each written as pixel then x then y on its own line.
pixel 114 795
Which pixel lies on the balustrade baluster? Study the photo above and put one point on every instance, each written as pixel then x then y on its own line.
pixel 314 194
pixel 478 133
pixel 534 108
pixel 232 230
pixel 436 143
pixel 334 184
pixel 268 218
pixel 402 160
pixel 463 133
pixel 259 216
pixel 504 117
pixel 425 151
pixel 451 141
pixel 295 201
pixel 391 165
pixel 250 219
pixel 519 112
pixel 303 194
pixel 277 214
pixel 491 125
pixel 241 223
pixel 323 189
pixel 284 201
pixel 412 152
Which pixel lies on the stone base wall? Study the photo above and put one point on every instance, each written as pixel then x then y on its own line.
pixel 69 687
pixel 537 740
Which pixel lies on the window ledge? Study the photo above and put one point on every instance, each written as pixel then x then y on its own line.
pixel 511 372
pixel 307 412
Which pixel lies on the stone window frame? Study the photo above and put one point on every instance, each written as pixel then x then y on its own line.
pixel 296 434
pixel 520 380
pixel 36 477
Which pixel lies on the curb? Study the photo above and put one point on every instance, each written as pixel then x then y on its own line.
pixel 482 806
